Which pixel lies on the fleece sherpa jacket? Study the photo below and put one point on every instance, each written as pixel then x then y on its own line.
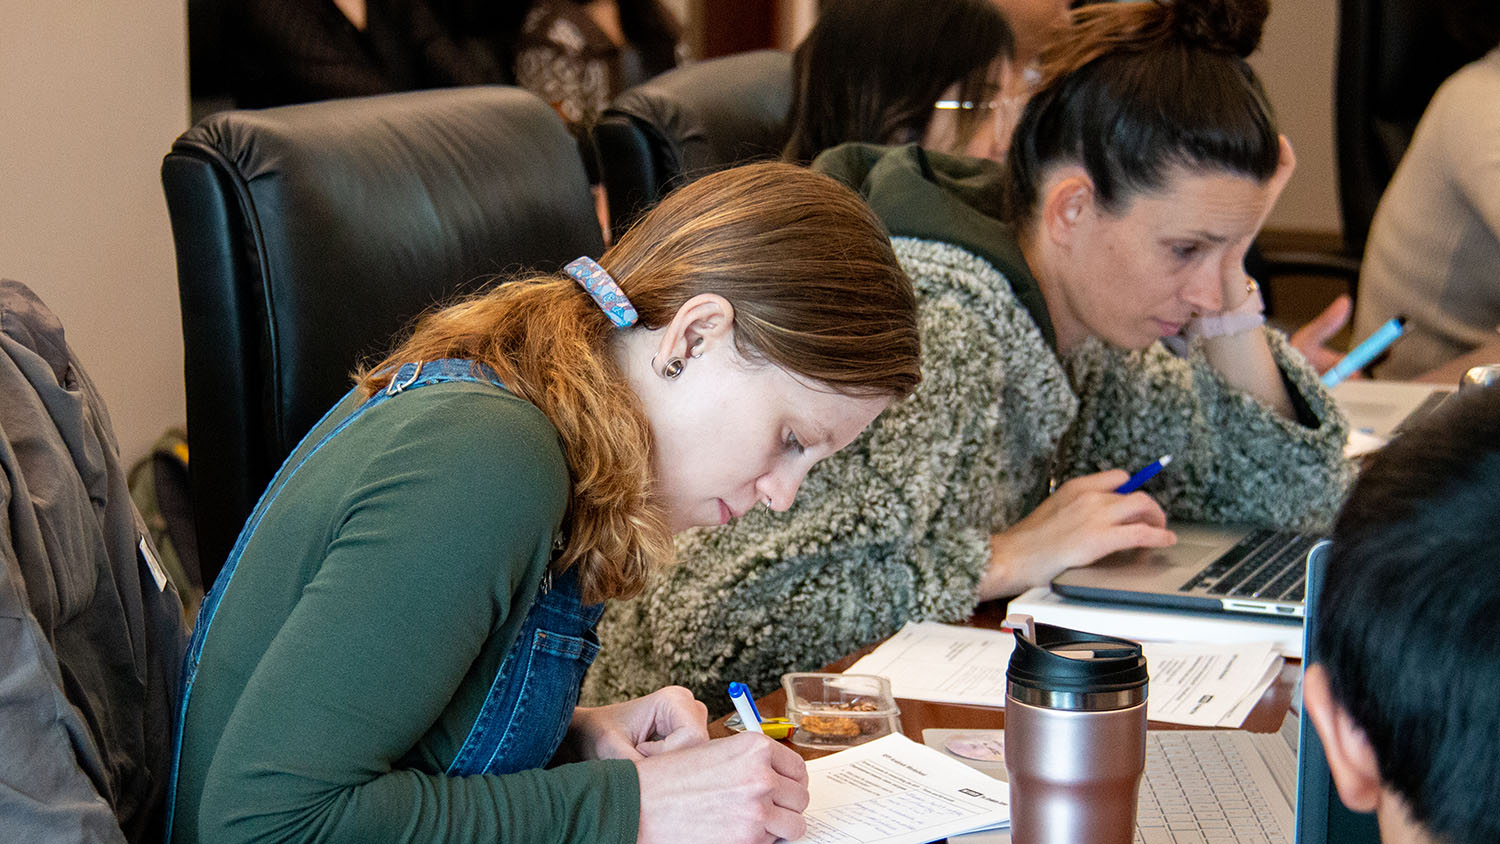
pixel 896 527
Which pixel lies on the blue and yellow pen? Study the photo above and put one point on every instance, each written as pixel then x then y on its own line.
pixel 744 704
pixel 1360 356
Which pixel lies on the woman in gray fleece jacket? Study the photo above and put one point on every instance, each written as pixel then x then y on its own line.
pixel 1103 322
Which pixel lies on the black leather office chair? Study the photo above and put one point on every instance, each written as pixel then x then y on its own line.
pixel 211 52
pixel 689 122
pixel 308 236
pixel 1392 56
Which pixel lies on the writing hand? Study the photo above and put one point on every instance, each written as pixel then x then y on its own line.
pixel 745 789
pixel 1082 521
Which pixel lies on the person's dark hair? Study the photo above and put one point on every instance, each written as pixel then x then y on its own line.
pixel 1408 623
pixel 1130 91
pixel 871 70
pixel 654 31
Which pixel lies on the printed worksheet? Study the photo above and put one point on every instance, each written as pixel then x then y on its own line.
pixel 895 791
pixel 1207 685
pixel 1202 684
pixel 943 662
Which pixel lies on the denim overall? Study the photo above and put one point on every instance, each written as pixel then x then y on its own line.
pixel 530 702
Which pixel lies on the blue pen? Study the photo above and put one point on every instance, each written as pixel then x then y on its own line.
pixel 744 704
pixel 1139 479
pixel 1360 356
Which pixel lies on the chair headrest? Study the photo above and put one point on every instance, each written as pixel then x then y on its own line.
pixel 309 236
pixel 717 112
pixel 359 214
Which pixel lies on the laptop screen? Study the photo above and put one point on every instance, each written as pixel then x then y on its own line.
pixel 1321 817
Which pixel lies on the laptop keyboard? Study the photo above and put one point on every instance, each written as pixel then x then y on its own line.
pixel 1265 564
pixel 1191 793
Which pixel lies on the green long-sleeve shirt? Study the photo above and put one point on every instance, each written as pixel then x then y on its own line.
pixel 362 628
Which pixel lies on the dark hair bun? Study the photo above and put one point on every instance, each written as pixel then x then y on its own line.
pixel 1233 26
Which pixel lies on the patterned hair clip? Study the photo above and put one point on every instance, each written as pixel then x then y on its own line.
pixel 602 287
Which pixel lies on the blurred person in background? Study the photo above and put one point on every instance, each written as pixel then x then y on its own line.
pixel 900 71
pixel 293 51
pixel 579 54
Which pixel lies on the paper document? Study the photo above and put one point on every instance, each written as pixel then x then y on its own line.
pixel 1162 625
pixel 895 791
pixel 1361 443
pixel 1377 409
pixel 1207 685
pixel 930 661
pixel 1211 685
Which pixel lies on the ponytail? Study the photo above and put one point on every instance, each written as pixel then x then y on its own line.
pixel 1131 90
pixel 548 343
pixel 816 290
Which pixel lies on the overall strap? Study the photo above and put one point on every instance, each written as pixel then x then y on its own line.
pixel 408 377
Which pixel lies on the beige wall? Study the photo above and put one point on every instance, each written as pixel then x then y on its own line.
pixel 1296 64
pixel 91 95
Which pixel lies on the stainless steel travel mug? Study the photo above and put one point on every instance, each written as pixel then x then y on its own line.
pixel 1075 735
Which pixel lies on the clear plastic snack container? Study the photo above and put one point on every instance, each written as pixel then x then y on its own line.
pixel 835 711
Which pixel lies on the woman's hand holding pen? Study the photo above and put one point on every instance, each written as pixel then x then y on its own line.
pixel 668 719
pixel 1083 520
pixel 744 789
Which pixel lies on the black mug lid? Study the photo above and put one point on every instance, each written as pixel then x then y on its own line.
pixel 1072 662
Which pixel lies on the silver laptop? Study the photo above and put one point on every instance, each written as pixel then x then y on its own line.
pixel 1236 569
pixel 1212 568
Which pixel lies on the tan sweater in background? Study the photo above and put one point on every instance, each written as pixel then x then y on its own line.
pixel 1434 248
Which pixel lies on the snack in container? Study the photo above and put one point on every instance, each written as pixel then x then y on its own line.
pixel 835 711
